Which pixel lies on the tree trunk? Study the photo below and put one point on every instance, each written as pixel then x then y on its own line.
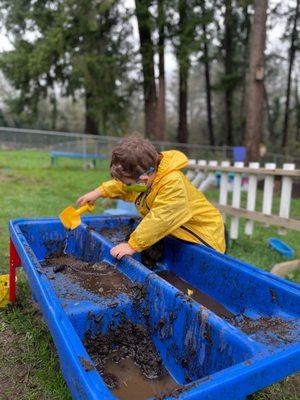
pixel 184 63
pixel 255 92
pixel 147 52
pixel 270 124
pixel 182 132
pixel 245 64
pixel 228 71
pixel 161 102
pixel 53 117
pixel 208 88
pixel 91 123
pixel 292 52
pixel 297 105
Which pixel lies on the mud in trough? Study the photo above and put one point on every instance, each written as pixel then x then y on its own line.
pixel 129 362
pixel 98 278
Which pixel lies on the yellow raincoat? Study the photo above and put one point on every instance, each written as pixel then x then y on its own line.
pixel 171 206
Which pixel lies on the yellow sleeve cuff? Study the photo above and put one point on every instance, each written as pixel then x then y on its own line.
pixel 134 245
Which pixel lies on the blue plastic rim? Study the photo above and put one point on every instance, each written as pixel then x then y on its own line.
pixel 227 359
pixel 281 247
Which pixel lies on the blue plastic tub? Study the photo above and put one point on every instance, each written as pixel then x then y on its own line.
pixel 210 356
pixel 281 247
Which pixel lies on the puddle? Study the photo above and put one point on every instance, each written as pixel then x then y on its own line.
pixel 128 362
pixel 132 384
pixel 200 297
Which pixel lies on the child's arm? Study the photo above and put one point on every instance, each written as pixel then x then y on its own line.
pixel 169 211
pixel 112 189
pixel 89 197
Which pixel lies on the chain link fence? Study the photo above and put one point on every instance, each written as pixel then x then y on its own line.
pixel 15 138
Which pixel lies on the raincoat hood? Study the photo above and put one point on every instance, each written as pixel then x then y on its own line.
pixel 172 160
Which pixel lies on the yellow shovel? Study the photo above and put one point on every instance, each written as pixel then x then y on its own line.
pixel 70 217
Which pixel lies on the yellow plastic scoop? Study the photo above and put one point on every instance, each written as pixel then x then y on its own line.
pixel 70 217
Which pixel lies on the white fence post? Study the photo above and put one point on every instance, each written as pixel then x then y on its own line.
pixel 211 177
pixel 191 173
pixel 268 191
pixel 286 195
pixel 224 187
pixel 236 200
pixel 251 198
pixel 200 174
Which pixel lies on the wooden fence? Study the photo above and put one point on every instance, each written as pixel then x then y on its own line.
pixel 238 177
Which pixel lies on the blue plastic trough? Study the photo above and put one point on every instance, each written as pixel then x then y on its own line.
pixel 211 357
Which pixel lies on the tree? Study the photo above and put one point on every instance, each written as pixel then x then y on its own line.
pixel 78 47
pixel 161 101
pixel 255 92
pixel 145 26
pixel 292 52
pixel 183 36
pixel 228 70
pixel 206 17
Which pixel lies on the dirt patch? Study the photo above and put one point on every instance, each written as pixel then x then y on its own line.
pixel 128 361
pixel 14 375
pixel 269 326
pixel 98 278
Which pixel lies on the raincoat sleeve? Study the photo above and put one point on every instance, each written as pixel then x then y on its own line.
pixel 169 211
pixel 116 190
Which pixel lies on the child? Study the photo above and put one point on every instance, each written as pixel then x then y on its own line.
pixel 163 195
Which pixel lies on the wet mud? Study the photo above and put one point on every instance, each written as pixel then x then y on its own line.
pixel 200 297
pixel 274 329
pixel 128 361
pixel 98 278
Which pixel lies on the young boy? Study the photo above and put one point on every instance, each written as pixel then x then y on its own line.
pixel 168 202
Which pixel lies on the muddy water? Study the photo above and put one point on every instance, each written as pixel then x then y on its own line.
pixel 201 298
pixel 133 385
pixel 98 278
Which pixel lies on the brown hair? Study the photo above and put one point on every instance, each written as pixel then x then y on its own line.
pixel 132 157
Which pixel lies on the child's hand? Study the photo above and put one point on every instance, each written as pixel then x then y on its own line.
pixel 90 197
pixel 121 250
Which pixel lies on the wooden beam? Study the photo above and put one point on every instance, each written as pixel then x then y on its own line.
pixel 287 223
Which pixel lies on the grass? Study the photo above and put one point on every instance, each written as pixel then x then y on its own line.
pixel 29 367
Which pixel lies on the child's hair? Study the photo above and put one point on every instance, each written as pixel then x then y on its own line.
pixel 132 157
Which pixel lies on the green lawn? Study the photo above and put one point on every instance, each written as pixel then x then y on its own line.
pixel 29 367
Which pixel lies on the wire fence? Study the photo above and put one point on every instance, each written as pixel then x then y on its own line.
pixel 16 138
